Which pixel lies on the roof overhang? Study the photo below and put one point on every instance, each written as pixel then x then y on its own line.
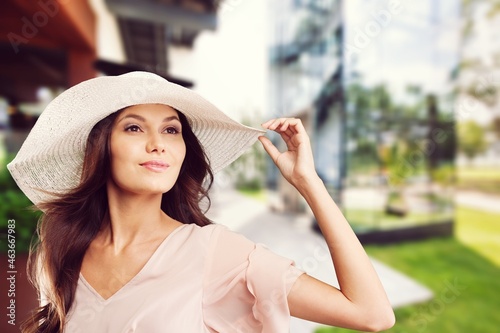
pixel 164 13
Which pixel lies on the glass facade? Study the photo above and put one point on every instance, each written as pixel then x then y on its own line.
pixel 305 62
pixel 374 83
pixel 400 140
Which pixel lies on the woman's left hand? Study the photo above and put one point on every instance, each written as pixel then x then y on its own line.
pixel 297 163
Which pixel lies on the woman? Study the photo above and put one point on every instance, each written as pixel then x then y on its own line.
pixel 123 243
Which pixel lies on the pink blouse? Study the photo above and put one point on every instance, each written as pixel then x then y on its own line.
pixel 200 279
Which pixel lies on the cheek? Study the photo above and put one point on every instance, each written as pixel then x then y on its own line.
pixel 176 151
pixel 121 154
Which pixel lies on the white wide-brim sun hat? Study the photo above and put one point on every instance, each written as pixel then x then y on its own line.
pixel 51 157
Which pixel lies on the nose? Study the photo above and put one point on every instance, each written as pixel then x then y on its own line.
pixel 155 143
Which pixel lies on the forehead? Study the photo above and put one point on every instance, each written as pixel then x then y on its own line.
pixel 150 109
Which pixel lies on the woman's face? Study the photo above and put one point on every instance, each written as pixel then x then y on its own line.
pixel 147 149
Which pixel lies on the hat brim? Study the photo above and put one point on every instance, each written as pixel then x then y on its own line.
pixel 51 157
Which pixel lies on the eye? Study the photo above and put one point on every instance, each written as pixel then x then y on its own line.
pixel 132 128
pixel 172 130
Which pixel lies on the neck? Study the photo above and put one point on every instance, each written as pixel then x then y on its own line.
pixel 133 218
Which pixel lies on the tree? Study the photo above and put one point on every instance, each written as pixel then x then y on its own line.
pixel 482 85
pixel 495 126
pixel 471 140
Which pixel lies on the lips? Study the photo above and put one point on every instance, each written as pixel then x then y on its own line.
pixel 156 166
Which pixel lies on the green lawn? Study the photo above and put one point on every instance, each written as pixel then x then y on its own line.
pixel 468 262
pixel 479 231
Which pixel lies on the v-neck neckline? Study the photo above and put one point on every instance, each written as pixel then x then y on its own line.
pixel 135 277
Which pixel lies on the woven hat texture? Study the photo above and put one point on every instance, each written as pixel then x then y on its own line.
pixel 51 157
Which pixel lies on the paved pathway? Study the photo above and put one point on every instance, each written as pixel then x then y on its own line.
pixel 292 237
pixel 478 200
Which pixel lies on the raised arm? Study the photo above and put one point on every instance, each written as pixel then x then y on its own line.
pixel 361 303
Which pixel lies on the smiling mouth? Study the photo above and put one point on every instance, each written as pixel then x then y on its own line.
pixel 155 166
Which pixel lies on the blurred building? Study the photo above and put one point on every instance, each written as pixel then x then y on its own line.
pixel 47 46
pixel 149 28
pixel 374 83
pixel 305 75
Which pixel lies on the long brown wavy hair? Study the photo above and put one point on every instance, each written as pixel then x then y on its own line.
pixel 72 220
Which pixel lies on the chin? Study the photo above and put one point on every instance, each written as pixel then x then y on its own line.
pixel 143 187
pixel 156 190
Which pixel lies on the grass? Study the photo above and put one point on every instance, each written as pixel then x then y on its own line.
pixel 479 231
pixel 465 261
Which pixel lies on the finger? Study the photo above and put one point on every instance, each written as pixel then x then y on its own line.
pixel 266 124
pixel 270 148
pixel 287 136
pixel 274 125
pixel 289 132
pixel 288 128
pixel 278 124
pixel 292 126
pixel 285 125
pixel 298 130
pixel 295 125
pixel 289 139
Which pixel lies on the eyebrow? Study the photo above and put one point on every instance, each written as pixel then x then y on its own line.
pixel 141 118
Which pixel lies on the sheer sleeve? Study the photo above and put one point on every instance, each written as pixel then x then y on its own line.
pixel 246 285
